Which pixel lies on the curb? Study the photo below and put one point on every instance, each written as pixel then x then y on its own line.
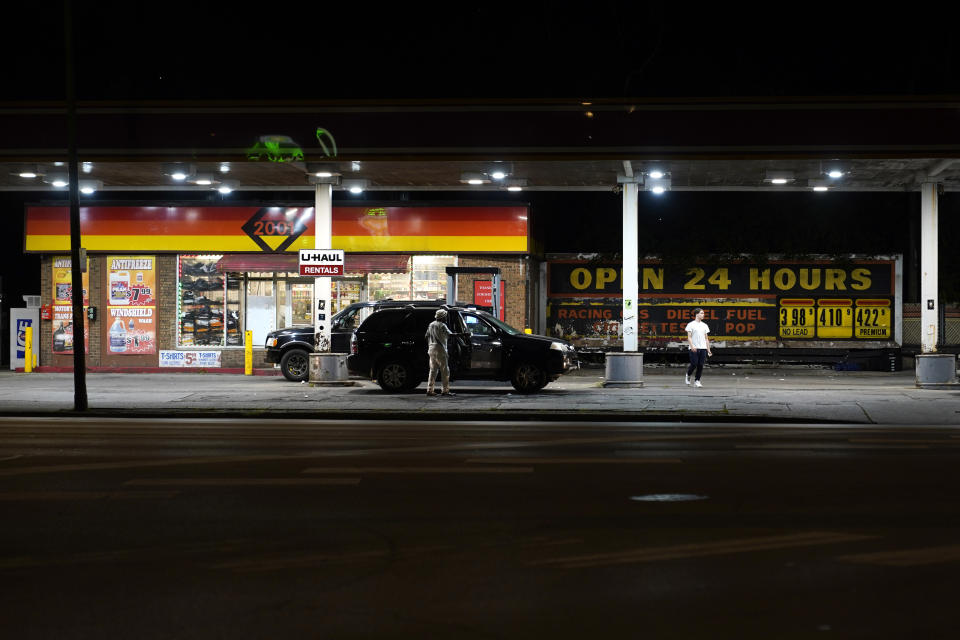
pixel 433 416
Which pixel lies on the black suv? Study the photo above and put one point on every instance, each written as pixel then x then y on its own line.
pixel 292 346
pixel 391 348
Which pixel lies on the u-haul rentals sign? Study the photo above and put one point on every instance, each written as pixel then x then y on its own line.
pixel 321 262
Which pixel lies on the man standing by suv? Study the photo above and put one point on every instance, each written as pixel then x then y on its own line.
pixel 437 336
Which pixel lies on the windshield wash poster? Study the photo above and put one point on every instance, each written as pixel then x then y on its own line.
pixel 131 312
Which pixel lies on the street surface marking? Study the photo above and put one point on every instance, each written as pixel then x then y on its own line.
pixel 574 461
pixel 416 470
pixel 239 482
pixel 907 557
pixel 699 550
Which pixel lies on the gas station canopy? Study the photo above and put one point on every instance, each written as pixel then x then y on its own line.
pixel 801 144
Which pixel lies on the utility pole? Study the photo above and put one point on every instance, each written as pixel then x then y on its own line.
pixel 76 273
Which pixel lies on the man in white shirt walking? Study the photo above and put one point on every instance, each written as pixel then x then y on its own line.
pixel 699 341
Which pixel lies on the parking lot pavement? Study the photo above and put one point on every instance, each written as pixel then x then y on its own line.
pixel 795 395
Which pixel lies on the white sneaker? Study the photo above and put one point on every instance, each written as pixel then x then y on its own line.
pixel 697 384
pixel 686 379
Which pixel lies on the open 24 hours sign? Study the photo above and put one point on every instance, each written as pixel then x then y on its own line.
pixel 321 263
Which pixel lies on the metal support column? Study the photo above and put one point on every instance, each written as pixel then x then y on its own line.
pixel 929 303
pixel 630 266
pixel 323 239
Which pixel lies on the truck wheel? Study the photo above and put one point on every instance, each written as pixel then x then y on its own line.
pixel 396 376
pixel 295 365
pixel 528 377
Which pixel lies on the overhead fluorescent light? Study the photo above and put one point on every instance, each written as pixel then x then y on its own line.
pixel 27 171
pixel 323 169
pixel 89 187
pixel 355 185
pixel 778 177
pixel 58 180
pixel 201 179
pixel 179 171
pixel 474 178
pixel 657 186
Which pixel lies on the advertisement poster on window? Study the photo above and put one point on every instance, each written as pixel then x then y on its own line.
pixel 63 306
pixel 131 310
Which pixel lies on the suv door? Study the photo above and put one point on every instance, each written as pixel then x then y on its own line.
pixel 486 346
pixel 345 323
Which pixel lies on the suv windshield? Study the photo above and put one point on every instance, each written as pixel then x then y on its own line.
pixel 503 326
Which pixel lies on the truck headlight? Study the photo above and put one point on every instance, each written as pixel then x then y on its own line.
pixel 271 342
pixel 558 346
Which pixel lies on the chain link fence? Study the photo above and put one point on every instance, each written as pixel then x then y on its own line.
pixel 949 325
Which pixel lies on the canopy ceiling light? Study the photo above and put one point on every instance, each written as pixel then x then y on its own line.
pixel 500 170
pixel 474 178
pixel 28 171
pixel 89 187
pixel 201 179
pixel 818 185
pixel 515 184
pixel 227 186
pixel 179 171
pixel 834 169
pixel 778 177
pixel 58 180
pixel 656 186
pixel 355 185
pixel 323 169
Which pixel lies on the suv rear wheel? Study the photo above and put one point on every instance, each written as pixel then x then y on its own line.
pixel 528 377
pixel 396 376
pixel 295 365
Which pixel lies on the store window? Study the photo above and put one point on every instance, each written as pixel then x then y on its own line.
pixel 425 280
pixel 208 304
pixel 214 309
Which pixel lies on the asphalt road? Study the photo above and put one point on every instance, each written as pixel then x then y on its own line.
pixel 310 529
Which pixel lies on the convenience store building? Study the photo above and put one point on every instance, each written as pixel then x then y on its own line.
pixel 178 286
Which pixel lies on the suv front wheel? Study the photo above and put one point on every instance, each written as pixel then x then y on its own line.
pixel 295 365
pixel 528 377
pixel 396 376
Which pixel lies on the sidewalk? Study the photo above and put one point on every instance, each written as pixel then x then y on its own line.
pixel 792 395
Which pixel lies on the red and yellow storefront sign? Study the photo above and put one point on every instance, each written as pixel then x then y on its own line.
pixel 453 229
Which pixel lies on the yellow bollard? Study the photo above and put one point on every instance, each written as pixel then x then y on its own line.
pixel 248 354
pixel 28 350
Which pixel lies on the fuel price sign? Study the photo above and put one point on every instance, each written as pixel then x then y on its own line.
pixel 834 318
pixel 873 319
pixel 797 318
